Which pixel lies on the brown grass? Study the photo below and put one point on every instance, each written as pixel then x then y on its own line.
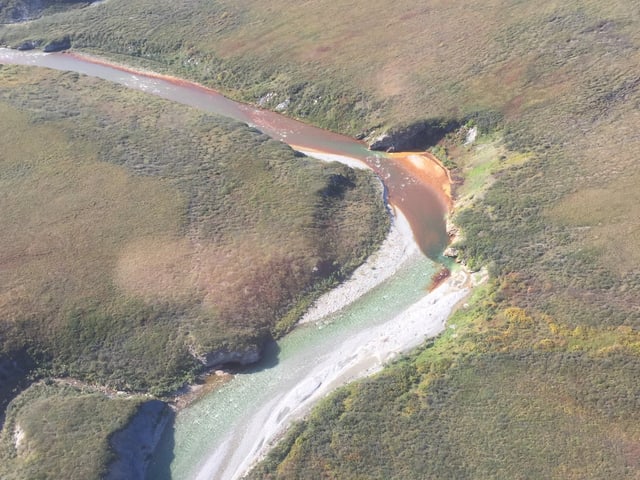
pixel 607 218
pixel 559 230
pixel 53 196
pixel 138 230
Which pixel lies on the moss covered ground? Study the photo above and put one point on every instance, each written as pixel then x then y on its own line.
pixel 558 229
pixel 139 234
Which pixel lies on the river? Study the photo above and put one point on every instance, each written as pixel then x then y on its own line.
pixel 415 195
pixel 222 434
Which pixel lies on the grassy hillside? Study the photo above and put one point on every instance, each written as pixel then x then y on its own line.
pixel 535 378
pixel 139 233
pixel 437 59
pixel 542 384
pixel 138 237
pixel 558 230
pixel 56 431
pixel 500 394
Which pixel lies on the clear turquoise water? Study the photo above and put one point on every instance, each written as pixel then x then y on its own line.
pixel 201 427
pixel 198 430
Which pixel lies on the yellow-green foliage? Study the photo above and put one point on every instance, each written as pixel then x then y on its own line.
pixel 473 406
pixel 477 166
pixel 56 432
pixel 544 383
pixel 490 417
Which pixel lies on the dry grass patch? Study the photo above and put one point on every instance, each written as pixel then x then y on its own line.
pixel 140 231
pixel 67 215
pixel 607 218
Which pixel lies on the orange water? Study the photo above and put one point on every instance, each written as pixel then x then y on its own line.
pixel 414 183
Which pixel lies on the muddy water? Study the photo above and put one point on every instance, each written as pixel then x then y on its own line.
pixel 415 195
pixel 220 435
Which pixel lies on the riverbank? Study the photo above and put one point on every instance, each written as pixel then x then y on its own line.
pixel 397 248
pixel 349 354
pixel 331 157
pixel 365 353
pixel 355 357
pixel 361 355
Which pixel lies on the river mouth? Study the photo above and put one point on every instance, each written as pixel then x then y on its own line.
pixel 421 198
pixel 224 432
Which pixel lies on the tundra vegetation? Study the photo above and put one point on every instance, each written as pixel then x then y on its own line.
pixel 61 431
pixel 536 380
pixel 141 235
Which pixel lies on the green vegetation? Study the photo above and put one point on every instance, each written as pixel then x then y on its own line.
pixel 532 379
pixel 139 233
pixel 491 416
pixel 13 11
pixel 424 61
pixel 59 431
pixel 537 380
pixel 499 395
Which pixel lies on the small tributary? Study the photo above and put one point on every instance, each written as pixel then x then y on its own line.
pixel 221 434
pixel 422 205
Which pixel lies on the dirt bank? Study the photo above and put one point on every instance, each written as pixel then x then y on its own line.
pixel 353 358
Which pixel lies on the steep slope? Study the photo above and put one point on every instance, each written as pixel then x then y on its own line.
pixel 559 231
pixel 144 240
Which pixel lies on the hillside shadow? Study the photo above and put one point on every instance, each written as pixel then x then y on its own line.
pixel 14 378
pixel 270 358
pixel 159 467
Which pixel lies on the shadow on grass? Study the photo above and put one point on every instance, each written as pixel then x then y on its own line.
pixel 14 378
pixel 159 467
pixel 160 463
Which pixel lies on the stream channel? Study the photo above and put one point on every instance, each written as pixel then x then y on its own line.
pixel 223 433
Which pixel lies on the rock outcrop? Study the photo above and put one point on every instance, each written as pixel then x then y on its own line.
pixel 247 356
pixel 451 252
pixel 135 444
pixel 58 45
pixel 29 45
pixel 417 136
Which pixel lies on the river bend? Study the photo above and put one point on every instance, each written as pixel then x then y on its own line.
pixel 221 435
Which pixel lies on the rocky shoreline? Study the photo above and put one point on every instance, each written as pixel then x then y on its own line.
pixel 394 251
pixel 354 357
pixel 134 444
